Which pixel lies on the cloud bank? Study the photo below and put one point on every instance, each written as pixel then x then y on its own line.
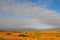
pixel 40 17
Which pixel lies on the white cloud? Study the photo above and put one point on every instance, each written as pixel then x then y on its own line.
pixel 6 23
pixel 37 14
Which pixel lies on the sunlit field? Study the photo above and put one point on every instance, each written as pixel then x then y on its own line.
pixel 30 35
pixel 29 19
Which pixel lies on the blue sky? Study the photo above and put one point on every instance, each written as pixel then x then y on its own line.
pixel 40 14
pixel 55 6
pixel 50 4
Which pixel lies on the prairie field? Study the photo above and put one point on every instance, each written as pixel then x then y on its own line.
pixel 29 35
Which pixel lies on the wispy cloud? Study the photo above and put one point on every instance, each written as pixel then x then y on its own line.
pixel 38 15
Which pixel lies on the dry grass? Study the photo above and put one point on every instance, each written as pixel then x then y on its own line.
pixel 38 35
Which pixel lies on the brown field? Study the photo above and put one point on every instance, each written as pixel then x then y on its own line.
pixel 30 35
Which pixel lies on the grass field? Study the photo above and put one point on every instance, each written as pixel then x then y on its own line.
pixel 30 35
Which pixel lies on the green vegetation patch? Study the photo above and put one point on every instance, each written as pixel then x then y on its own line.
pixel 22 35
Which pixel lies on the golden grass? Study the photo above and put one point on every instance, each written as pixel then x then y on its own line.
pixel 30 35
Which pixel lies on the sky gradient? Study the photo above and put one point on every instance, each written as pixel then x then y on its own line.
pixel 40 14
